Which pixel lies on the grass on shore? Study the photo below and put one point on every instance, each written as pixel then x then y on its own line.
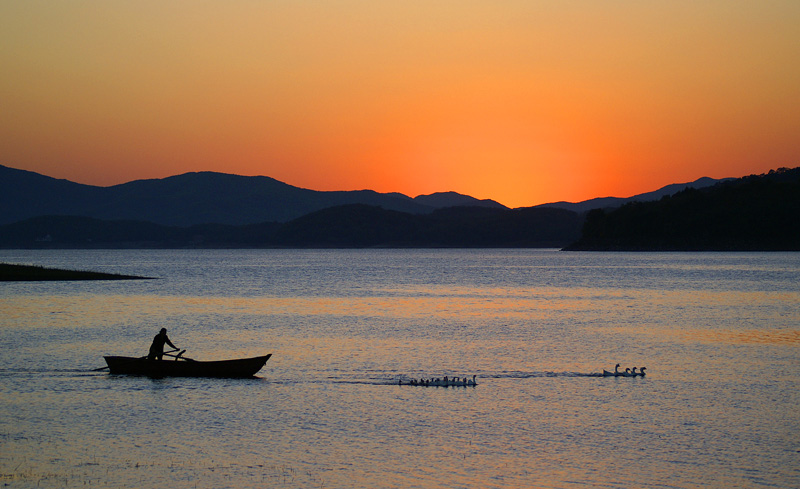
pixel 32 273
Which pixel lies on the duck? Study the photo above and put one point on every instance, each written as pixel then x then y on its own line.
pixel 442 382
pixel 615 373
pixel 641 371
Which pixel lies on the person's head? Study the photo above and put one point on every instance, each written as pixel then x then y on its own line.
pixel 163 330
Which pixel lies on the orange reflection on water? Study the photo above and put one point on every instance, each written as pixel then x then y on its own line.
pixel 767 337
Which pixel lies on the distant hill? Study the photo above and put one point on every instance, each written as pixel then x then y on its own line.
pixel 451 227
pixel 759 212
pixel 87 232
pixel 193 198
pixel 347 226
pixel 207 210
pixel 441 200
pixel 209 197
pixel 611 202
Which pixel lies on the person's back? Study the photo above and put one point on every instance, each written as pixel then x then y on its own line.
pixel 157 348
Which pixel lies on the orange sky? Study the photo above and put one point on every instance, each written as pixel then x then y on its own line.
pixel 521 101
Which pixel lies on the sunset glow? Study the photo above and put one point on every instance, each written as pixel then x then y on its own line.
pixel 522 102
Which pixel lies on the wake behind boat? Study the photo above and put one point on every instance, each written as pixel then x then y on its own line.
pixel 186 367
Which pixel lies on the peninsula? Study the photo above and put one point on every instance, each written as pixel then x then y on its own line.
pixel 31 273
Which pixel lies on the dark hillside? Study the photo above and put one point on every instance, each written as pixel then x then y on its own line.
pixel 759 212
pixel 613 202
pixel 56 232
pixel 85 232
pixel 25 194
pixel 347 226
pixel 357 226
pixel 532 227
pixel 181 200
pixel 440 200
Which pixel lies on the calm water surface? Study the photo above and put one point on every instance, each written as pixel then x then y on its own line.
pixel 718 332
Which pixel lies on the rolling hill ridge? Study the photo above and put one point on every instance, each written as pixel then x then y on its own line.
pixel 220 198
pixel 213 210
pixel 194 198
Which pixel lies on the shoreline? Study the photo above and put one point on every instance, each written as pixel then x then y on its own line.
pixel 36 273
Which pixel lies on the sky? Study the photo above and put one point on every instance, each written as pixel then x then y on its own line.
pixel 520 101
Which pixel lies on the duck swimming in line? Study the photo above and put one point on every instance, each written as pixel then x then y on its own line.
pixel 629 372
pixel 442 382
pixel 615 373
pixel 634 373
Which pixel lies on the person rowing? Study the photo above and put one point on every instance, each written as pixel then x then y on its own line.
pixel 157 348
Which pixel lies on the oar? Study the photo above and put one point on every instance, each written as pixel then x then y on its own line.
pixel 140 358
pixel 179 357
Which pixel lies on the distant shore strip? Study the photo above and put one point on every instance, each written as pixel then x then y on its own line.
pixel 34 273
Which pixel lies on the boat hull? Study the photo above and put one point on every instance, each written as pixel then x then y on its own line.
pixel 242 367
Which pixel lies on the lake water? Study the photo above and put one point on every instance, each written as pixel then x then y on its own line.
pixel 719 334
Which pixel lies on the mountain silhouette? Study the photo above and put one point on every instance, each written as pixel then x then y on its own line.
pixel 208 210
pixel 345 226
pixel 758 212
pixel 440 200
pixel 221 198
pixel 192 198
pixel 612 202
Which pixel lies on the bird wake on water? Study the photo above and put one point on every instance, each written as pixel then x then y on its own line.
pixel 627 373
pixel 442 382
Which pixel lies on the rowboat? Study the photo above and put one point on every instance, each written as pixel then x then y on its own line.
pixel 185 367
